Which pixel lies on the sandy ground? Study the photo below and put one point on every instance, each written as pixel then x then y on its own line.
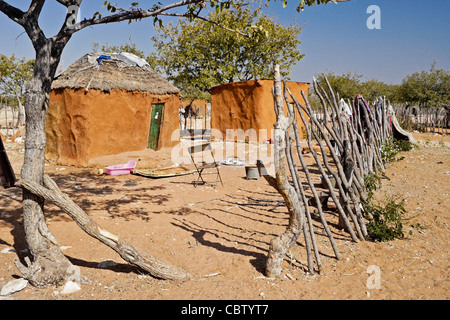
pixel 221 236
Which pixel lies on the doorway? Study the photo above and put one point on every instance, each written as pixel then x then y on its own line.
pixel 155 125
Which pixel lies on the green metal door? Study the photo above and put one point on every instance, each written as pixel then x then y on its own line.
pixel 155 124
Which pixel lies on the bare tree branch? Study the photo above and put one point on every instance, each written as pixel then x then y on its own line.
pixel 35 8
pixel 204 19
pixel 123 16
pixel 12 12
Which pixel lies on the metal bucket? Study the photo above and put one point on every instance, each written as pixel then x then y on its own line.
pixel 251 173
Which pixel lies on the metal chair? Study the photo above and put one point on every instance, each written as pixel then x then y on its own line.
pixel 203 167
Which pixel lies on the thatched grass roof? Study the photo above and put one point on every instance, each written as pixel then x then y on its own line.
pixel 121 71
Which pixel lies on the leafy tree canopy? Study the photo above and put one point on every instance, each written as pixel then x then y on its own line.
pixel 346 85
pixel 349 84
pixel 197 55
pixel 427 88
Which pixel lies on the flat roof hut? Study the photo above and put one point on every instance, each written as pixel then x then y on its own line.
pixel 249 106
pixel 109 103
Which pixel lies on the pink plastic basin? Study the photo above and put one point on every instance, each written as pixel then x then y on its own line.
pixel 121 169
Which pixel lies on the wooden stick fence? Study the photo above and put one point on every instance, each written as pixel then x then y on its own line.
pixel 424 119
pixel 350 136
pixel 8 116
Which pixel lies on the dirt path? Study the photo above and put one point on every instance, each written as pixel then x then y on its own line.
pixel 221 236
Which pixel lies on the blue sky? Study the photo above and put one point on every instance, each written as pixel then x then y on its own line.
pixel 334 38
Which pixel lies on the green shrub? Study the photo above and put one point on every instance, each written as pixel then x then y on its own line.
pixel 392 147
pixel 386 220
pixel 403 145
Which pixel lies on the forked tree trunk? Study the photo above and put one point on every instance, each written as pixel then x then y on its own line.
pixel 279 245
pixel 49 265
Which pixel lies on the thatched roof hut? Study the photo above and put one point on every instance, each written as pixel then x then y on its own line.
pixel 109 103
pixel 123 71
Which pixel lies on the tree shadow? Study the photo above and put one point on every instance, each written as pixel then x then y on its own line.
pixel 80 188
pixel 112 194
pixel 199 233
pixel 116 267
pixel 229 235
pixel 253 206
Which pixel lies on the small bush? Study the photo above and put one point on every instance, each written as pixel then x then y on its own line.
pixel 392 147
pixel 403 145
pixel 386 221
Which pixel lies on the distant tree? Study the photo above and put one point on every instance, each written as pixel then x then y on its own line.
pixel 373 89
pixel 196 56
pixel 346 85
pixel 14 74
pixel 426 88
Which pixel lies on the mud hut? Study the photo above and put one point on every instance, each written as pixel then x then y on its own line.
pixel 248 107
pixel 105 104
